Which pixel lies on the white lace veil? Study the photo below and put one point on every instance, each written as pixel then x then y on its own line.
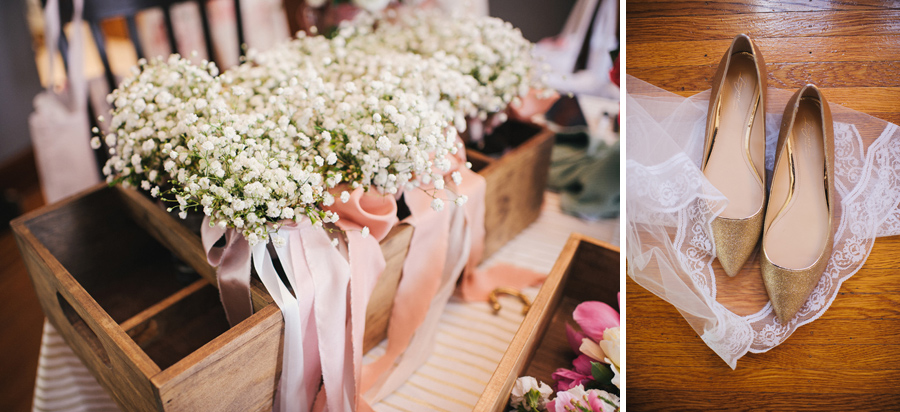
pixel 670 206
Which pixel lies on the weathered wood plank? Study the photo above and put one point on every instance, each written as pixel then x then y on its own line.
pixel 666 8
pixel 655 52
pixel 806 24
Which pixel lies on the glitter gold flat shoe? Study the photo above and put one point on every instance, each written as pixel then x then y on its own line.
pixel 735 150
pixel 798 236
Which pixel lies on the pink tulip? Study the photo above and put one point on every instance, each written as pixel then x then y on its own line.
pixel 582 364
pixel 575 337
pixel 567 379
pixel 594 318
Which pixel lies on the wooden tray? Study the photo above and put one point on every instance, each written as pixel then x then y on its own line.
pixel 587 269
pixel 118 277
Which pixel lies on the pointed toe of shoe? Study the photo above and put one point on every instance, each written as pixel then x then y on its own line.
pixel 788 289
pixel 735 240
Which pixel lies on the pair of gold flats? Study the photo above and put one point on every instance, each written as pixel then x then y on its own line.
pixel 795 217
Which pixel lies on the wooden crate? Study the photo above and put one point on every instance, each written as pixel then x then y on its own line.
pixel 587 269
pixel 515 186
pixel 108 267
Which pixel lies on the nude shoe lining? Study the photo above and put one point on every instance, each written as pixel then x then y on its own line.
pixel 737 120
pixel 797 219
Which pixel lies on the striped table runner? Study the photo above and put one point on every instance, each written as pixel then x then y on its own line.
pixel 470 342
pixel 471 339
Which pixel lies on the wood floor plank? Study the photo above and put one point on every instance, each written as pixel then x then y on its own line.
pixel 869 331
pixel 21 322
pixel 667 8
pixel 805 356
pixel 789 24
pixel 862 99
pixel 656 52
pixel 784 75
pixel 661 378
pixel 847 305
pixel 703 399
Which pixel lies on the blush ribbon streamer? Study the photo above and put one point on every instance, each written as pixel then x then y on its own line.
pixel 325 323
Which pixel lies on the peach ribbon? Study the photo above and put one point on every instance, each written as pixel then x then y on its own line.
pixel 325 324
pixel 444 245
pixel 440 248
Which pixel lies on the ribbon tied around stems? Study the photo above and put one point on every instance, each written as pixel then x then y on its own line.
pixel 325 322
pixel 445 245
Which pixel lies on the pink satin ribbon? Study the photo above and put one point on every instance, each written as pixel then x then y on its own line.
pixel 325 324
pixel 335 290
pixel 233 269
pixel 434 251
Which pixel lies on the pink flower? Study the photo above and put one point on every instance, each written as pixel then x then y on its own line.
pixel 562 402
pixel 599 405
pixel 582 365
pixel 575 337
pixel 567 379
pixel 594 318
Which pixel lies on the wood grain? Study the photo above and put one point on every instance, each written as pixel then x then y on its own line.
pixel 820 24
pixel 515 188
pixel 668 8
pixel 848 358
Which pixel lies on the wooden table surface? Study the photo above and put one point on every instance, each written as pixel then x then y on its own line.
pixel 849 359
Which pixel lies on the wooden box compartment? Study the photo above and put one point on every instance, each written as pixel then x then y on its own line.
pixel 587 269
pixel 515 181
pixel 131 292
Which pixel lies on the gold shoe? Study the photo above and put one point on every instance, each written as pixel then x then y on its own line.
pixel 798 236
pixel 735 151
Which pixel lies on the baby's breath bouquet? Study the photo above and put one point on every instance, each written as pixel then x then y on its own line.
pixel 177 130
pixel 279 137
pixel 488 50
pixel 265 142
pixel 384 117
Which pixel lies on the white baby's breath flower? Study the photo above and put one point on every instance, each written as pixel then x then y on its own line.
pixel 345 196
pixel 365 232
pixel 371 5
pixel 262 142
pixel 437 204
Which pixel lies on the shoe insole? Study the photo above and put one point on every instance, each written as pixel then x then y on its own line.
pixel 796 235
pixel 729 167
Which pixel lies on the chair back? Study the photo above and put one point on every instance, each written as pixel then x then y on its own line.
pixel 96 11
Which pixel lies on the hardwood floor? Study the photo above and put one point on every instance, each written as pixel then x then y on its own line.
pixel 21 317
pixel 849 358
